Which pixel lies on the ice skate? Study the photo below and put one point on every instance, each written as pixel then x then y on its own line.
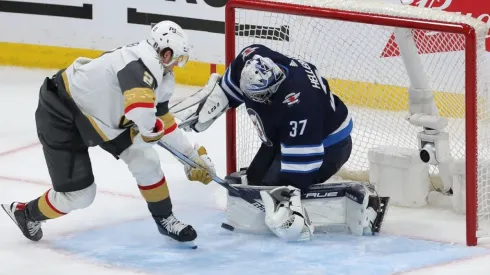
pixel 18 213
pixel 177 230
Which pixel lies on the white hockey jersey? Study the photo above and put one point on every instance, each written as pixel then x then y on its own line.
pixel 123 87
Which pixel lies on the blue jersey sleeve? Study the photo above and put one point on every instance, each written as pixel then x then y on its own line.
pixel 230 82
pixel 302 148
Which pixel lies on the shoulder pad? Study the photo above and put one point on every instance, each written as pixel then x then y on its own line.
pixel 149 57
pixel 166 87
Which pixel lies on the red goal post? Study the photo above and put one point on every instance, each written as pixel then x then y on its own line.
pixel 380 16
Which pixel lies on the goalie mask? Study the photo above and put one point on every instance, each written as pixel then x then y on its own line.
pixel 260 78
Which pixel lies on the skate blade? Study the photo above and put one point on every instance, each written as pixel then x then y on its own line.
pixel 191 244
pixel 181 245
pixel 7 210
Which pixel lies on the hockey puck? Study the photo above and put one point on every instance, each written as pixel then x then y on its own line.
pixel 227 226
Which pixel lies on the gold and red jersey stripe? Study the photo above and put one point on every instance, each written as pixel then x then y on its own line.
pixel 155 192
pixel 138 98
pixel 47 208
pixel 169 123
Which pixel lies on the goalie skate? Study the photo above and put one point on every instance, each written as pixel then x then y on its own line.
pixel 17 212
pixel 380 205
pixel 182 233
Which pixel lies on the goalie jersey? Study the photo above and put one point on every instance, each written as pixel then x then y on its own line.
pixel 302 118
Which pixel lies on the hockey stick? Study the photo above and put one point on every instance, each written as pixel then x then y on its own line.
pixel 235 191
pixel 190 121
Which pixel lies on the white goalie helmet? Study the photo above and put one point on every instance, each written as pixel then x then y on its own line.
pixel 260 78
pixel 168 34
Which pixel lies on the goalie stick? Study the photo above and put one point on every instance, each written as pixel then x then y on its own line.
pixel 244 194
pixel 189 122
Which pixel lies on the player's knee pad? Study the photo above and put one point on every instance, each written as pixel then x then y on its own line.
pixel 68 201
pixel 144 164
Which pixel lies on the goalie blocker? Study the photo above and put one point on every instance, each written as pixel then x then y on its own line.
pixel 351 207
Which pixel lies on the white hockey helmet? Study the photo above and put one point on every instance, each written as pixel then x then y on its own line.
pixel 168 34
pixel 260 78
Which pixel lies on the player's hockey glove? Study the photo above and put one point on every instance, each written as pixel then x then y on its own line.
pixel 148 139
pixel 200 174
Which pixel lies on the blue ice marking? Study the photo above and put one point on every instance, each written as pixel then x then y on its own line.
pixel 138 245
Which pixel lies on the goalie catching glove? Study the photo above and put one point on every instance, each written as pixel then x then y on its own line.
pixel 285 215
pixel 200 110
pixel 201 174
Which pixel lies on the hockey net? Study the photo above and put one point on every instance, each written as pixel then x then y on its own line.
pixel 353 45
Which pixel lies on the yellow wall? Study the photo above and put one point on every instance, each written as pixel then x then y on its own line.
pixel 377 96
pixel 392 98
pixel 52 57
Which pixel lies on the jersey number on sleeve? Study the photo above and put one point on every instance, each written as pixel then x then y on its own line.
pixel 148 79
pixel 294 127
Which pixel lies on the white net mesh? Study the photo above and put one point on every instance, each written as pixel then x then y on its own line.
pixel 363 66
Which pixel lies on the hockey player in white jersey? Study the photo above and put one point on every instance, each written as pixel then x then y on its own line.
pixel 118 101
pixel 305 133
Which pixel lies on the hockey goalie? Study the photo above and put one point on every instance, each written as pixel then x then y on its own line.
pixel 305 133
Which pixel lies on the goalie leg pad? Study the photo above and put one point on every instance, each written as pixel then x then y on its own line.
pixel 365 210
pixel 241 216
pixel 285 215
pixel 349 207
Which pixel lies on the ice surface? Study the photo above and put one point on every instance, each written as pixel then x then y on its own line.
pixel 116 236
pixel 136 245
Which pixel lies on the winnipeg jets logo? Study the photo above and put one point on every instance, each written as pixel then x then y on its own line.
pixel 291 99
pixel 430 42
pixel 259 126
pixel 248 51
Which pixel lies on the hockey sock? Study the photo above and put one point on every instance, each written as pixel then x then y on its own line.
pixel 157 197
pixel 42 209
